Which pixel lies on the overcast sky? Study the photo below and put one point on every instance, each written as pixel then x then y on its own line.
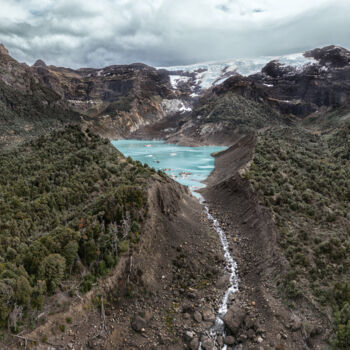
pixel 96 33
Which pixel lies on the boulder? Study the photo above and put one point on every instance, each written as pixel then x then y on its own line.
pixel 229 340
pixel 251 334
pixel 234 318
pixel 208 314
pixel 194 344
pixel 138 324
pixel 242 338
pixel 186 316
pixel 295 323
pixel 220 341
pixel 188 336
pixel 208 344
pixel 197 316
pixel 187 307
pixel 249 322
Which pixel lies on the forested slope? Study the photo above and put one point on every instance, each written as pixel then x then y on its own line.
pixel 70 204
pixel 303 178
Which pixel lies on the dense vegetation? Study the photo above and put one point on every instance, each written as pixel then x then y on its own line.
pixel 305 179
pixel 70 204
pixel 237 111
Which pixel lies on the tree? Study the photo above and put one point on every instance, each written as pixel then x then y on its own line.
pixel 70 252
pixel 34 257
pixel 22 290
pixel 6 295
pixel 52 270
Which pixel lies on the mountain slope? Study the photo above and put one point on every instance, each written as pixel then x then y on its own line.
pixel 62 199
pixel 112 101
pixel 279 94
pixel 27 108
pixel 304 179
pixel 91 242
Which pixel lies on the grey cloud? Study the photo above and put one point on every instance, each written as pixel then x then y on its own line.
pixel 162 32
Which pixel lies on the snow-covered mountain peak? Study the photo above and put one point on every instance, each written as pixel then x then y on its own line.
pixel 202 76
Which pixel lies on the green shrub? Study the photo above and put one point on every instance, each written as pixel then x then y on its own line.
pixel 87 283
pixel 124 246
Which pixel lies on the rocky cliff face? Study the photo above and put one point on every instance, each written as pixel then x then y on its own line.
pixel 112 101
pixel 117 99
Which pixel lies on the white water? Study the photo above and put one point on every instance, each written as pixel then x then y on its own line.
pixel 231 268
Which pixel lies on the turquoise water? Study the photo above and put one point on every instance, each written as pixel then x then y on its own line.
pixel 187 165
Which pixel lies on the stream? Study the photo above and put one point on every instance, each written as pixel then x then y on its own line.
pixel 231 268
pixel 189 166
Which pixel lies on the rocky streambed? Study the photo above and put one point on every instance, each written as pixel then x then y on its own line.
pixel 217 334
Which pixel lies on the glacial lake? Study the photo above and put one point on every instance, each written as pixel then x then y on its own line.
pixel 187 165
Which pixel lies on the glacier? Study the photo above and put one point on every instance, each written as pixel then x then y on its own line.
pixel 202 76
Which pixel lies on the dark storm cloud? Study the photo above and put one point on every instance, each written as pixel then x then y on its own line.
pixel 80 33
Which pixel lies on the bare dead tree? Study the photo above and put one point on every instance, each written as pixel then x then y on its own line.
pixel 15 316
pixel 114 231
pixel 126 225
pixel 130 268
pixel 26 340
pixel 103 315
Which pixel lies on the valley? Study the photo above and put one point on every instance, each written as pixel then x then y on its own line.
pixel 121 186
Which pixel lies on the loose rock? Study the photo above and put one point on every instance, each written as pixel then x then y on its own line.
pixel 197 316
pixel 138 324
pixel 208 315
pixel 194 344
pixel 229 340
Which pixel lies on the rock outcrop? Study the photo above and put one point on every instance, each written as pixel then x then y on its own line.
pixel 330 56
pixel 3 50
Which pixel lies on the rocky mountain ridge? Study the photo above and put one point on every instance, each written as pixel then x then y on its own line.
pixel 28 108
pixel 112 101
pixel 279 94
pixel 133 100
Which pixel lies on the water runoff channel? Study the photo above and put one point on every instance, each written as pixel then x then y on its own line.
pixel 189 166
